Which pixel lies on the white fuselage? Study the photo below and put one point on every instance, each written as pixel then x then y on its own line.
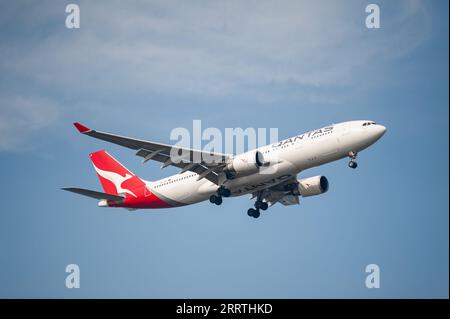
pixel 287 157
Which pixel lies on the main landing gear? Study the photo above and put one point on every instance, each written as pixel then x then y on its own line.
pixel 259 205
pixel 252 212
pixel 352 163
pixel 214 199
pixel 221 192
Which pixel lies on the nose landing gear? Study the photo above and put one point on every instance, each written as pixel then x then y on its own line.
pixel 352 163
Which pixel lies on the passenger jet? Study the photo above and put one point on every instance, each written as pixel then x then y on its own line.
pixel 268 173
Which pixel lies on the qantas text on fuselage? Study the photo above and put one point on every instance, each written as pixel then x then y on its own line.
pixel 268 173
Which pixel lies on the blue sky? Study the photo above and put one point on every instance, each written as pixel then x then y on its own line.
pixel 142 69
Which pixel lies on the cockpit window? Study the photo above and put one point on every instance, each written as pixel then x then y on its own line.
pixel 369 123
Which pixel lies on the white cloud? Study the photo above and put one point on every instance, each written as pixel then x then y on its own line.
pixel 222 48
pixel 305 50
pixel 20 118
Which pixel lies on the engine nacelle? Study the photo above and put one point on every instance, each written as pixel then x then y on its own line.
pixel 311 186
pixel 245 164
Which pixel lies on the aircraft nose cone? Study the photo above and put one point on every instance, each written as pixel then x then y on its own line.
pixel 379 131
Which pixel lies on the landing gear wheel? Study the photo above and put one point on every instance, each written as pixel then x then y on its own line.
pixel 214 199
pixel 253 213
pixel 222 191
pixel 352 163
pixel 261 205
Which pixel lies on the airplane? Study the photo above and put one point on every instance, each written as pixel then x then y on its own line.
pixel 268 173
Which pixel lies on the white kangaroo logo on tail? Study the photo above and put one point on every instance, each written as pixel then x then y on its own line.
pixel 116 179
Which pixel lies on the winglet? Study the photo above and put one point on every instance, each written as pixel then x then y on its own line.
pixel 81 128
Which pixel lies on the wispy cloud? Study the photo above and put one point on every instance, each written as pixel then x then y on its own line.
pixel 256 49
pixel 22 117
pixel 221 48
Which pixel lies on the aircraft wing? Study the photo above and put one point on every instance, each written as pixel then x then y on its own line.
pixel 186 159
pixel 287 200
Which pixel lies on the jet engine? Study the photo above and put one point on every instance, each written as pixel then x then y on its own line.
pixel 311 186
pixel 245 164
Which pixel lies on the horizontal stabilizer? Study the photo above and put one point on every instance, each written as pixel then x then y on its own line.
pixel 94 194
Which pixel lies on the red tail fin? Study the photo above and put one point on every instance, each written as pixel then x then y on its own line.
pixel 114 177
